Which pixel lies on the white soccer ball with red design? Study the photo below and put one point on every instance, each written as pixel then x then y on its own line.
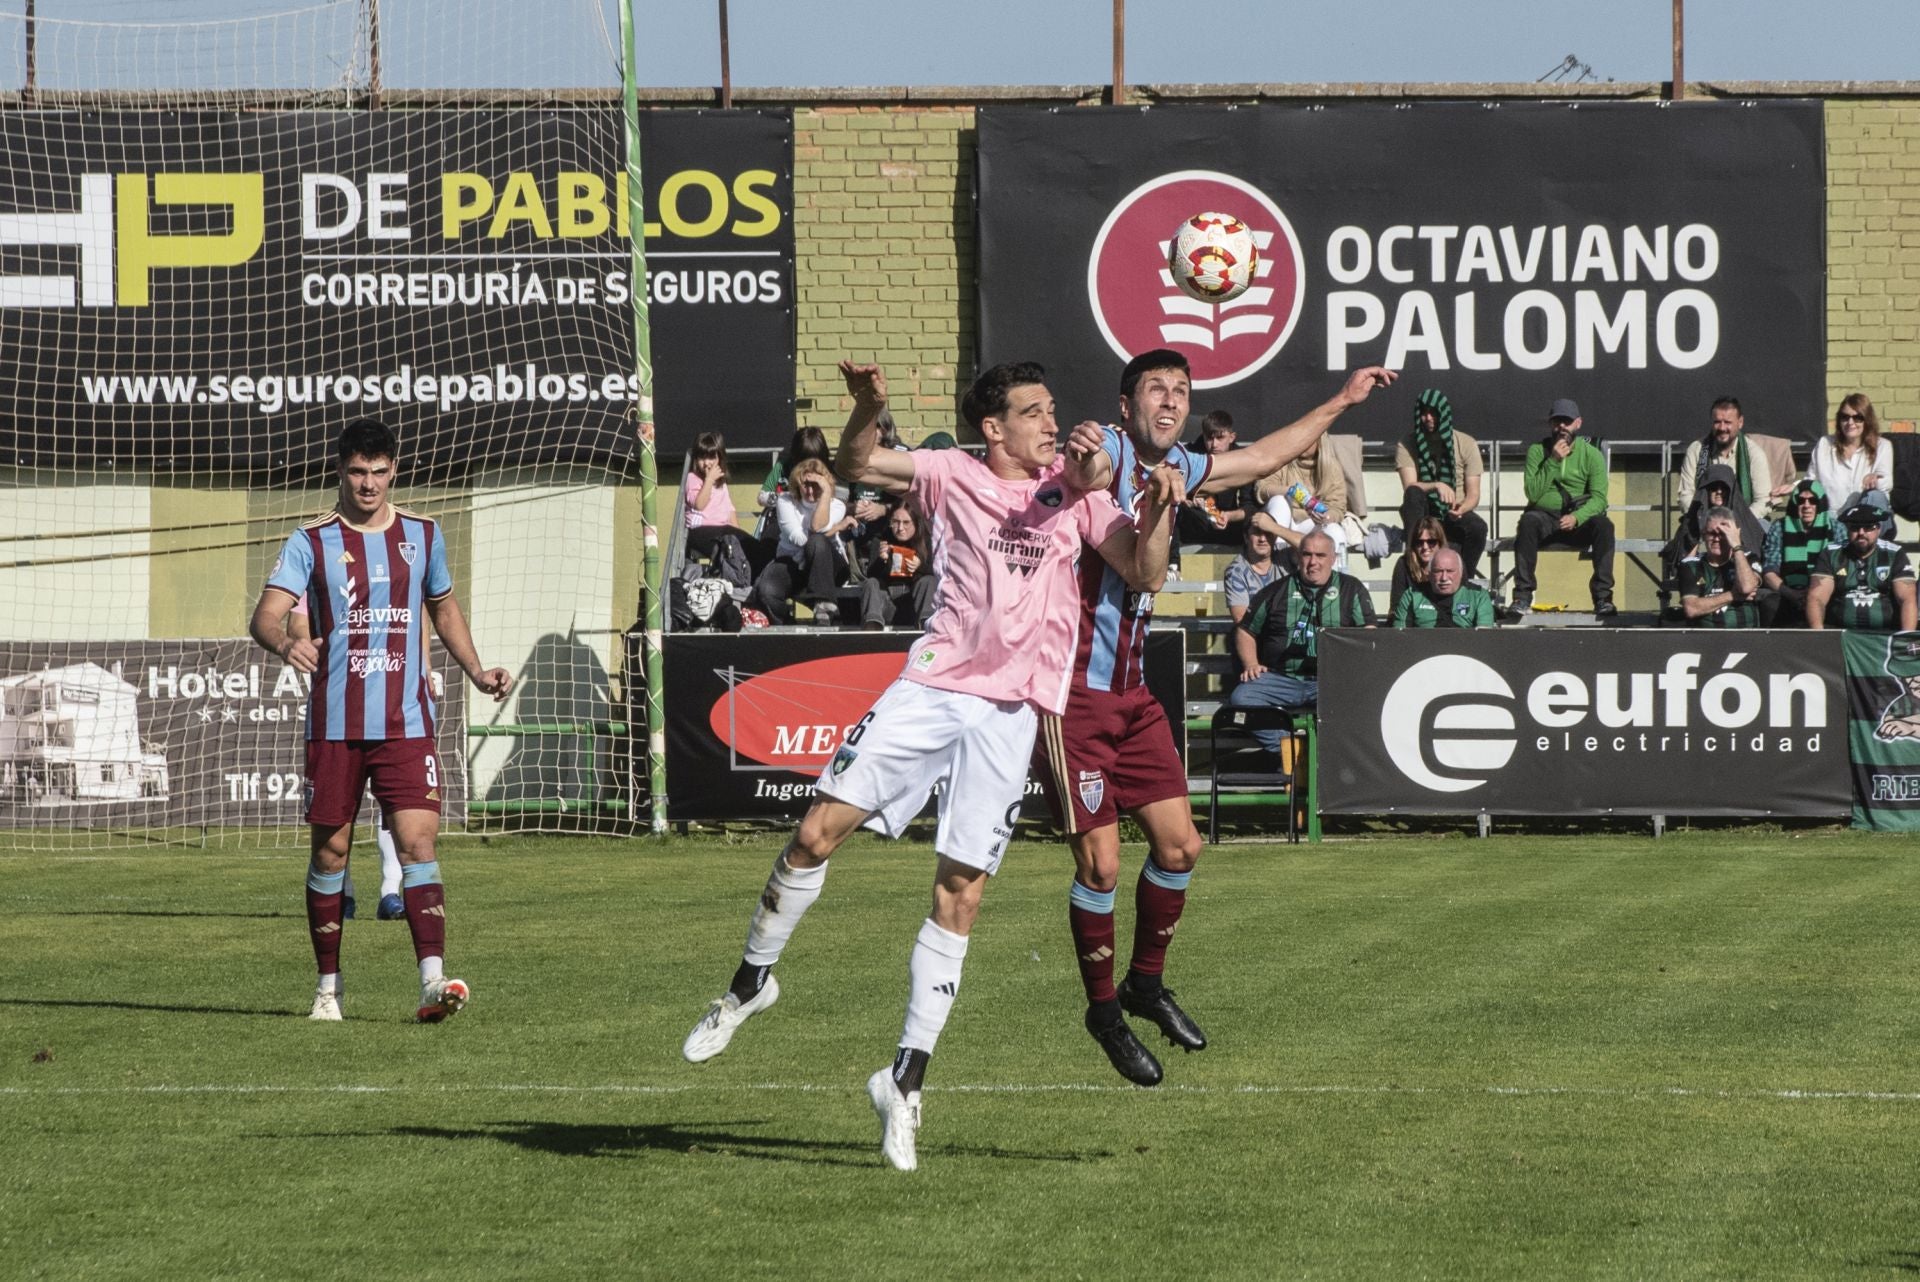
pixel 1213 257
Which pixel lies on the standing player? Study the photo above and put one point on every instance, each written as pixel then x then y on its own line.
pixel 371 571
pixel 1000 642
pixel 1113 750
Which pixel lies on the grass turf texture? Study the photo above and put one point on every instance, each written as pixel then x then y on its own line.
pixel 1520 1057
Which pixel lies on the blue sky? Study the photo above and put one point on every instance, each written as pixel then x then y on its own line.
pixel 522 43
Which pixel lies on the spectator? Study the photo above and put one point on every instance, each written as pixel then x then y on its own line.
pixel 1792 544
pixel 1426 537
pixel 1855 463
pixel 711 518
pixel 873 507
pixel 899 586
pixel 1320 476
pixel 1718 490
pixel 1253 569
pixel 1566 483
pixel 1440 470
pixel 1277 641
pixel 1720 584
pixel 1865 583
pixel 1215 519
pixel 1446 600
pixel 1726 442
pixel 811 521
pixel 806 443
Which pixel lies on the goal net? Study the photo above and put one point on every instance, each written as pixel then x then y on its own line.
pixel 219 243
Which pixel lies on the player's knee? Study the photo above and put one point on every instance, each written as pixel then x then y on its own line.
pixel 812 845
pixel 1180 854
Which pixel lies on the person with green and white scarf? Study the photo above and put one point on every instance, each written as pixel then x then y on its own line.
pixel 1440 471
pixel 1726 442
pixel 1792 544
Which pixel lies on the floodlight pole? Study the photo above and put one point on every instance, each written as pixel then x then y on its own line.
pixel 1120 51
pixel 373 54
pixel 33 32
pixel 1679 90
pixel 726 62
pixel 643 427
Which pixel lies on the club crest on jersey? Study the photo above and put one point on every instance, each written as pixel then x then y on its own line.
pixel 409 552
pixel 1093 787
pixel 841 760
pixel 1050 496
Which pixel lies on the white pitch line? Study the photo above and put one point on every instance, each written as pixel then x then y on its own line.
pixel 1003 1088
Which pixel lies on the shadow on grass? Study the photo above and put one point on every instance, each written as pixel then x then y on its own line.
pixel 85 1004
pixel 1899 1261
pixel 718 1139
pixel 154 912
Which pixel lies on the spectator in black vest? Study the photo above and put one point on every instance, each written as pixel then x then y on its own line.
pixel 1864 584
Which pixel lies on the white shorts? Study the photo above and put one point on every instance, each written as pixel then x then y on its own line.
pixel 917 736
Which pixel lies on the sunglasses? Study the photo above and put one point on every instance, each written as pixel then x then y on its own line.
pixel 1426 543
pixel 1846 416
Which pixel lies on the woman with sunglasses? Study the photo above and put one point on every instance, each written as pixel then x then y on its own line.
pixel 1413 569
pixel 1854 464
pixel 1792 545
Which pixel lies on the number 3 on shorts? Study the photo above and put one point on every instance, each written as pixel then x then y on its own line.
pixel 433 772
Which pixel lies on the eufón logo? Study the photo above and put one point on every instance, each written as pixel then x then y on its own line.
pixel 1138 307
pixel 1448 723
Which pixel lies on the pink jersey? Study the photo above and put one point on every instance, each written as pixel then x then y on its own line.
pixel 1006 621
pixel 719 509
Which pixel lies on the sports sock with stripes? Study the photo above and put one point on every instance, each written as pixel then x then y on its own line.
pixel 909 1070
pixel 933 981
pixel 1090 918
pixel 1158 899
pixel 324 917
pixel 426 908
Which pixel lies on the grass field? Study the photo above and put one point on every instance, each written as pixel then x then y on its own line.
pixel 1519 1057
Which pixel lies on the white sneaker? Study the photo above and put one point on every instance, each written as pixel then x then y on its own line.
pixel 715 1029
pixel 326 1006
pixel 440 998
pixel 899 1119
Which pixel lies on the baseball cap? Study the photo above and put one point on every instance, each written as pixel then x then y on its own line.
pixel 1861 514
pixel 938 441
pixel 1564 408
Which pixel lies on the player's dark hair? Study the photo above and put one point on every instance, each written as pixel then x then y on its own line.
pixel 1729 403
pixel 1217 420
pixel 370 439
pixel 1158 358
pixel 807 442
pixel 987 398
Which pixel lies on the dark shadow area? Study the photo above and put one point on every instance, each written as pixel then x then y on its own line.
pixel 718 1139
pixel 155 912
pixel 91 1004
pixel 1899 1261
pixel 562 682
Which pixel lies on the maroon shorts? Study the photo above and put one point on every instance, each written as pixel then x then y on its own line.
pixel 405 774
pixel 1108 753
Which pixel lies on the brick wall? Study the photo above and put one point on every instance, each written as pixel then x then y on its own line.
pixel 883 221
pixel 1873 253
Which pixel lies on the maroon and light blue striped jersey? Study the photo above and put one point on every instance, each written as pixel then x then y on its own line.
pixel 366 596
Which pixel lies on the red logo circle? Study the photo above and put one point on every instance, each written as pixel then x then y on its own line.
pixel 1138 307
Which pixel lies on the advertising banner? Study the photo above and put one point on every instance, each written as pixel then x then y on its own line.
pixel 753 718
pixel 1561 721
pixel 1640 258
pixel 147 734
pixel 218 292
pixel 1883 690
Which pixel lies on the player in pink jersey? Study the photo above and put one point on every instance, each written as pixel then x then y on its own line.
pixel 371 572
pixel 1112 751
pixel 1005 536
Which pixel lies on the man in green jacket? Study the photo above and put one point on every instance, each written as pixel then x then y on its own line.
pixel 1566 480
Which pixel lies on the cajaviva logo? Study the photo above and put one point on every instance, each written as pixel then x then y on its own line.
pixel 1448 723
pixel 1138 307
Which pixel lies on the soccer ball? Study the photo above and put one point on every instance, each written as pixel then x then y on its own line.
pixel 1213 257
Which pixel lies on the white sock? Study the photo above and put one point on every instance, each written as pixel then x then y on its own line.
pixel 330 983
pixel 789 893
pixel 431 968
pixel 933 981
pixel 389 860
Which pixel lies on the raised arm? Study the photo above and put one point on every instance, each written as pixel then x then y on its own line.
pixel 1243 467
pixel 858 462
pixel 1139 552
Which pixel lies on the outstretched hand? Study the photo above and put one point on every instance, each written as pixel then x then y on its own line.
pixel 494 681
pixel 1085 440
pixel 866 383
pixel 1166 487
pixel 1361 382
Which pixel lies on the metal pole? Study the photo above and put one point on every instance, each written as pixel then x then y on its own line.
pixel 373 54
pixel 1120 51
pixel 643 426
pixel 726 61
pixel 1679 50
pixel 33 32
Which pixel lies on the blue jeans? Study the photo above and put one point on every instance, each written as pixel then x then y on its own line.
pixel 1274 690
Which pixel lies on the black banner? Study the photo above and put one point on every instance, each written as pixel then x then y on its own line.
pixel 156 734
pixel 211 292
pixel 753 718
pixel 1640 258
pixel 1560 721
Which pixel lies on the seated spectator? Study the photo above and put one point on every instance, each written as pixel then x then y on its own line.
pixel 1720 584
pixel 899 586
pixel 1253 569
pixel 1317 475
pixel 711 518
pixel 873 507
pixel 808 564
pixel 1277 641
pixel 1446 600
pixel 1854 463
pixel 1214 519
pixel 1726 443
pixel 806 443
pixel 1718 489
pixel 1566 482
pixel 1865 583
pixel 1792 544
pixel 1424 538
pixel 1440 471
